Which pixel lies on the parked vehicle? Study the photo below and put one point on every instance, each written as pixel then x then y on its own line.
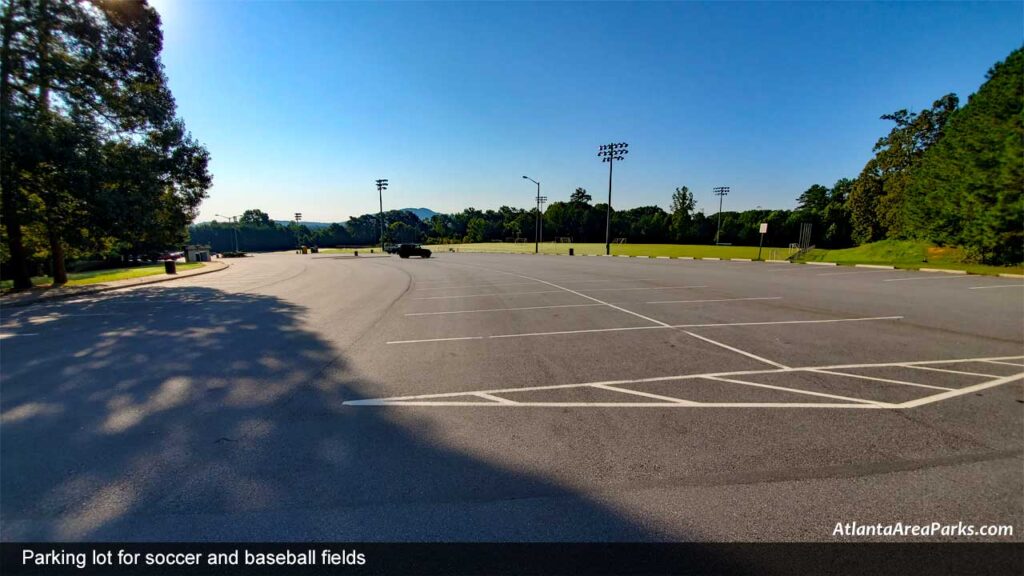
pixel 406 250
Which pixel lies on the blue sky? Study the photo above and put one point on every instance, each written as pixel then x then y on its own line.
pixel 303 105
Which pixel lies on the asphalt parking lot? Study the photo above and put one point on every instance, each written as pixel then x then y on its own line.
pixel 515 397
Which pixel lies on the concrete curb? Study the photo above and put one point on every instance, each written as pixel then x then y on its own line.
pixel 1011 275
pixel 741 259
pixel 878 266
pixel 942 271
pixel 778 261
pixel 821 263
pixel 710 258
pixel 108 287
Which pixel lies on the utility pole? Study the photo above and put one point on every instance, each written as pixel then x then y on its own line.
pixel 382 185
pixel 538 234
pixel 233 220
pixel 610 153
pixel 720 191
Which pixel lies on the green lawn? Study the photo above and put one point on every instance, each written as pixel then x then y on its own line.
pixel 907 254
pixel 100 276
pixel 670 250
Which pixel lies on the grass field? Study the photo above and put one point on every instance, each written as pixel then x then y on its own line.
pixel 670 250
pixel 100 276
pixel 907 254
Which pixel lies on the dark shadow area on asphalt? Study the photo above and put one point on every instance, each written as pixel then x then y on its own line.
pixel 194 414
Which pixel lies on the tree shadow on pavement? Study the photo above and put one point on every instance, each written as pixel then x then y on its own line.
pixel 185 414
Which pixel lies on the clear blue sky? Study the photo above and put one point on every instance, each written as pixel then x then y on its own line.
pixel 303 105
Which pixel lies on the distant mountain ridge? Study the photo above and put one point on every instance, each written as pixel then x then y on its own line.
pixel 423 214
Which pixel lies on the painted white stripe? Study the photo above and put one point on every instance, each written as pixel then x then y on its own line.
pixel 716 300
pixel 999 286
pixel 876 379
pixel 486 396
pixel 950 277
pixel 955 371
pixel 626 289
pixel 960 392
pixel 798 391
pixel 736 350
pixel 482 295
pixel 582 295
pixel 788 322
pixel 861 272
pixel 426 398
pixel 457 287
pixel 660 325
pixel 614 404
pixel 646 394
pixel 501 309
pixel 1017 364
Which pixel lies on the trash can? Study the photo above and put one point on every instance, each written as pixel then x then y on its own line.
pixel 315 250
pixel 170 267
pixel 357 252
pixel 570 252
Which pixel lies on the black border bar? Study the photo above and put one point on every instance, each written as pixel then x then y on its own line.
pixel 937 559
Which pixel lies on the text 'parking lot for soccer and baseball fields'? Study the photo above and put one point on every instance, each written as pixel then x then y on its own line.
pixel 541 331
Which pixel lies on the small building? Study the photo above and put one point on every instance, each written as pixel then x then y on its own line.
pixel 197 253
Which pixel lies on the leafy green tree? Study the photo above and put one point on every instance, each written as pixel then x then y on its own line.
pixel 968 189
pixel 580 196
pixel 255 217
pixel 683 204
pixel 83 90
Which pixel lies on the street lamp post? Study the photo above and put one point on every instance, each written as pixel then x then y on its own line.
pixel 382 184
pixel 538 234
pixel 610 153
pixel 234 220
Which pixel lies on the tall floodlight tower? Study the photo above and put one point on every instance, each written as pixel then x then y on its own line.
pixel 538 234
pixel 382 185
pixel 610 153
pixel 721 192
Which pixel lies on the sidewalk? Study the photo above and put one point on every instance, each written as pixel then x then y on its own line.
pixel 35 295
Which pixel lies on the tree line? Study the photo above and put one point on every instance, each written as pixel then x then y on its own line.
pixel 95 162
pixel 948 174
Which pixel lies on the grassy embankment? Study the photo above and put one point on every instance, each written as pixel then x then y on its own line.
pixel 670 250
pixel 100 276
pixel 907 254
pixel 899 253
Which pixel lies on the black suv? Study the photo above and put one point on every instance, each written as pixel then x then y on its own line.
pixel 406 250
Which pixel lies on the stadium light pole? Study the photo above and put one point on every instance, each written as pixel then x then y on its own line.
pixel 610 153
pixel 538 233
pixel 382 185
pixel 721 192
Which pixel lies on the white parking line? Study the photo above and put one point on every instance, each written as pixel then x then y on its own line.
pixel 999 286
pixel 876 379
pixel 488 294
pixel 501 309
pixel 943 277
pixel 453 398
pixel 457 287
pixel 626 289
pixel 1017 364
pixel 798 391
pixel 736 350
pixel 954 371
pixel 716 300
pixel 858 272
pixel 660 325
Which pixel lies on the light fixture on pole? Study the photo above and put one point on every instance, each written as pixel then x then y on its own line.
pixel 382 185
pixel 610 153
pixel 721 192
pixel 234 220
pixel 538 234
